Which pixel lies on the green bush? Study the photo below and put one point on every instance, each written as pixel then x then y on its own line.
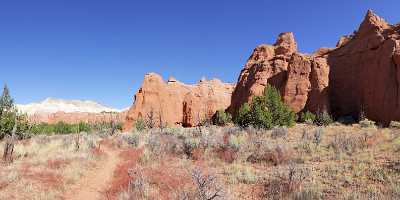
pixel 139 125
pixel 9 117
pixel 323 118
pixel 265 111
pixel 244 116
pixel 222 118
pixel 307 117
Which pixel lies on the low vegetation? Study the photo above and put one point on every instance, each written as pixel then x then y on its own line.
pixel 265 111
pixel 264 155
pixel 67 128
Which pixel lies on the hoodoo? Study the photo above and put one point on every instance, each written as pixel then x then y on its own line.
pixel 302 79
pixel 176 103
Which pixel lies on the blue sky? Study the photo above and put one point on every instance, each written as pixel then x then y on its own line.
pixel 100 50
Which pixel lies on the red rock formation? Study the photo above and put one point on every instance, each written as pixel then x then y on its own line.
pixel 178 103
pixel 361 73
pixel 296 75
pixel 365 73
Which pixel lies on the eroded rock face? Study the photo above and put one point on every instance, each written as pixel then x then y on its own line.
pixel 361 73
pixel 296 75
pixel 365 72
pixel 178 103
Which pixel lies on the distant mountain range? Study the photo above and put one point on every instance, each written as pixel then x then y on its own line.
pixel 54 105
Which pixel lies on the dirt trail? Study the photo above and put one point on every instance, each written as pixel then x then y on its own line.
pixel 95 181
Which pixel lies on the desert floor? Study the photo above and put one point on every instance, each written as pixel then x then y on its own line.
pixel 302 162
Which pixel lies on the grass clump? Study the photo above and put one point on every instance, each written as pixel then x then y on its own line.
pixel 366 123
pixel 307 117
pixel 323 118
pixel 241 174
pixel 139 125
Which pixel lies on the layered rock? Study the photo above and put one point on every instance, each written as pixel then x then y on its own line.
pixel 53 110
pixel 365 73
pixel 300 78
pixel 176 103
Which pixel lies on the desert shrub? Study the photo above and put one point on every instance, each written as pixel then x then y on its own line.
pixel 234 130
pixel 265 111
pixel 139 125
pixel 318 133
pixel 323 118
pixel 138 186
pixel 271 155
pixel 132 140
pixel 310 140
pixel 286 184
pixel 154 144
pixel 307 117
pixel 278 132
pixel 241 174
pixel 160 144
pixel 107 128
pixel 221 118
pixel 377 174
pixel 209 140
pixel 207 186
pixel 394 124
pixel 236 141
pixel 189 145
pixel 366 123
pixel 347 144
pixel 309 193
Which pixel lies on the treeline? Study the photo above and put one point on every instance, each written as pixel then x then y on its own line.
pixel 65 128
pixel 268 111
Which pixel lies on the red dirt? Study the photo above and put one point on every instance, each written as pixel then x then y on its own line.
pixel 58 163
pixel 49 179
pixel 121 178
pixel 91 185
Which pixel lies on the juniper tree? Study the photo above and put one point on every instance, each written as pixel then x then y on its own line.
pixel 7 113
pixel 265 111
pixel 8 123
pixel 6 102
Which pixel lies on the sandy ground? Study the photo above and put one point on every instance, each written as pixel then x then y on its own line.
pixel 97 180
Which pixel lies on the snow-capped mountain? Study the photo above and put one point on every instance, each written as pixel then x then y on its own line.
pixel 53 105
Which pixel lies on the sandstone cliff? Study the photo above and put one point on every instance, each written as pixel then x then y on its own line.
pixel 178 103
pixel 365 73
pixel 361 74
pixel 302 79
